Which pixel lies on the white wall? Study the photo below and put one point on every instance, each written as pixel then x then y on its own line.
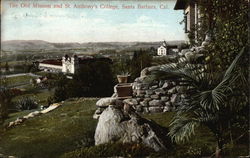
pixel 161 51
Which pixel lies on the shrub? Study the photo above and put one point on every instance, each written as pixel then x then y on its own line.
pixel 108 150
pixel 26 103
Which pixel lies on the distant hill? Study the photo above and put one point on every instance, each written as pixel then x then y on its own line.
pixel 21 45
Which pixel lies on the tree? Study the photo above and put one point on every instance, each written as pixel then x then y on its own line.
pixel 214 100
pixel 94 79
pixel 5 99
pixel 227 21
pixel 141 59
pixel 7 68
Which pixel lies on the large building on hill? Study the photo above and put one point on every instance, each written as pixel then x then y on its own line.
pixel 67 65
pixel 166 49
pixel 162 50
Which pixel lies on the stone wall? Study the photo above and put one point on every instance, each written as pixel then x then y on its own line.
pixel 156 96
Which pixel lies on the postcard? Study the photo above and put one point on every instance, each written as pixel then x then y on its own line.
pixel 124 78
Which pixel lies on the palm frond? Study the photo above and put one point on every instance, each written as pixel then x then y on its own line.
pixel 182 128
pixel 233 65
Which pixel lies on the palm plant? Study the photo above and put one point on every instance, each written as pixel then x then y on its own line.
pixel 209 100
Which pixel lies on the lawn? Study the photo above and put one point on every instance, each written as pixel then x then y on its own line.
pixel 18 80
pixel 40 95
pixel 68 132
pixel 50 135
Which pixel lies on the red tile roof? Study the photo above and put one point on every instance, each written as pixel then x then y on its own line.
pixel 52 62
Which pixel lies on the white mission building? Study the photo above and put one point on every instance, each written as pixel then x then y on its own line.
pixel 68 65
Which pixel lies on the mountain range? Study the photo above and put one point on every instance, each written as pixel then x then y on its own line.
pixel 24 45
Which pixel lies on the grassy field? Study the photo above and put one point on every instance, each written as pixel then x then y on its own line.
pixel 68 132
pixel 39 95
pixel 18 80
pixel 50 135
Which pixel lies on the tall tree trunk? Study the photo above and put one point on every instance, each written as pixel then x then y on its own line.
pixel 218 152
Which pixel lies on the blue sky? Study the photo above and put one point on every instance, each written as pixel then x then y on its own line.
pixel 91 25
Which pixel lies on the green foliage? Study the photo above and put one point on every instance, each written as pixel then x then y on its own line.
pixel 111 149
pixel 7 68
pixel 94 79
pixel 210 99
pixel 141 59
pixel 52 134
pixel 26 103
pixel 6 96
pixel 227 20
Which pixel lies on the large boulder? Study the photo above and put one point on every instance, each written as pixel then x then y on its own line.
pixel 114 125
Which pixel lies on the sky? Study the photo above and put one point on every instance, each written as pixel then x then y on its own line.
pixel 106 21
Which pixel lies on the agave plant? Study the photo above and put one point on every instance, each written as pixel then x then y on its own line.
pixel 209 100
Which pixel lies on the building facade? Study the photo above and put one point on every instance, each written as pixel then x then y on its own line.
pixel 191 14
pixel 67 65
pixel 162 50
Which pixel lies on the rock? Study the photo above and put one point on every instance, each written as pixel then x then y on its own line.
pixel 139 92
pixel 105 102
pixel 35 113
pixel 175 99
pixel 118 103
pixel 180 89
pixel 160 91
pixel 26 117
pixel 174 83
pixel 149 92
pixel 172 91
pixel 184 51
pixel 113 126
pixel 165 98
pixel 155 96
pixel 141 96
pixel 114 95
pixel 167 85
pixel 205 43
pixel 139 99
pixel 183 96
pixel 145 110
pixel 138 108
pixel 144 103
pixel 161 83
pixel 115 90
pixel 192 56
pixel 155 109
pixel 30 115
pixel 140 86
pixel 99 110
pixel 168 104
pixel 131 101
pixel 166 109
pixel 153 87
pixel 155 103
pixel 96 116
pixel 148 99
pixel 144 72
pixel 153 68
pixel 11 124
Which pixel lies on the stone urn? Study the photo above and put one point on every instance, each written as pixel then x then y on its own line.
pixel 124 90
